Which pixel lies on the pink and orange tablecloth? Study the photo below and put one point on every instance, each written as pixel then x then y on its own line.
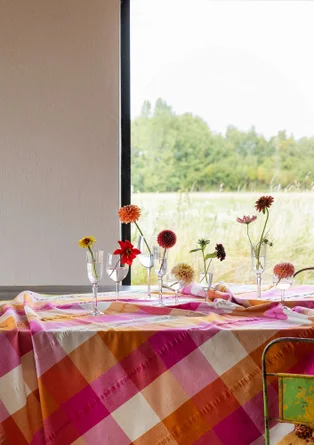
pixel 140 374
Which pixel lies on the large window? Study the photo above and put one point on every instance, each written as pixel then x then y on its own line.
pixel 222 108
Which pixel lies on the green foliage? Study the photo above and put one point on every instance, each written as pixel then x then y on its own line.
pixel 173 152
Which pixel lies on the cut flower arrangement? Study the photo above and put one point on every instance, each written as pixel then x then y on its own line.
pixel 207 259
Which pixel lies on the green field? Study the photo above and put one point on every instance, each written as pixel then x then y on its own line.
pixel 213 216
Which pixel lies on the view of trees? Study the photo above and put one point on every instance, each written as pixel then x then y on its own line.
pixel 172 152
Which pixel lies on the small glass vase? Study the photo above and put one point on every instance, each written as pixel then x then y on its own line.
pixel 206 278
pixel 146 258
pixel 116 270
pixel 95 267
pixel 282 284
pixel 160 267
pixel 258 255
pixel 175 285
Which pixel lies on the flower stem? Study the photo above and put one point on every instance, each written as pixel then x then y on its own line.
pixel 138 228
pixel 162 260
pixel 302 270
pixel 94 262
pixel 115 266
pixel 247 232
pixel 262 238
pixel 204 261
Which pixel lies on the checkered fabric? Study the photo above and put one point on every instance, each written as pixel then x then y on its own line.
pixel 140 374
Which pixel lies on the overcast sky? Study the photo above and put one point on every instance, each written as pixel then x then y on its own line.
pixel 232 62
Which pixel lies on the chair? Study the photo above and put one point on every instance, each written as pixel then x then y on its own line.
pixel 295 395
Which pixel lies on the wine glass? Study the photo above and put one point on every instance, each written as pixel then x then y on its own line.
pixel 175 284
pixel 117 270
pixel 258 255
pixel 146 258
pixel 160 267
pixel 282 284
pixel 206 279
pixel 95 267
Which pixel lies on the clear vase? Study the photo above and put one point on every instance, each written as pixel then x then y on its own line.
pixel 206 279
pixel 258 255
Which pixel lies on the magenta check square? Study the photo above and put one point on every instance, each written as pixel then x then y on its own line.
pixel 59 429
pixel 254 407
pixel 106 432
pixel 237 424
pixel 85 410
pixel 184 372
pixel 172 346
pixel 143 365
pixel 114 387
pixel 9 358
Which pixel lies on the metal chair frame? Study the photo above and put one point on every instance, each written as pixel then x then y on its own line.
pixel 267 374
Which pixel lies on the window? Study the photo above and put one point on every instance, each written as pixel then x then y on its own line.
pixel 222 112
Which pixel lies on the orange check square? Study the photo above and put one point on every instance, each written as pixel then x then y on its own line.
pixel 216 402
pixel 122 343
pixel 186 424
pixel 63 380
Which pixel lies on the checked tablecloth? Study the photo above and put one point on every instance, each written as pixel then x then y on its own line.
pixel 139 374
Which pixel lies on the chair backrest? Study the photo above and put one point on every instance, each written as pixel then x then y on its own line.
pixel 296 391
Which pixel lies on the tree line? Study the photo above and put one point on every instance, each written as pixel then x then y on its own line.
pixel 173 152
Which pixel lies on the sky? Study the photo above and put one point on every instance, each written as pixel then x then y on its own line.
pixel 232 62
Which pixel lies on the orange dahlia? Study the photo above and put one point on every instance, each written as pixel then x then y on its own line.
pixel 129 213
pixel 284 270
pixel 166 239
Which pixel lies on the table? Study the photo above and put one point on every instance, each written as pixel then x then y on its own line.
pixel 140 374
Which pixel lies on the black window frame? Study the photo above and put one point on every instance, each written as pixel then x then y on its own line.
pixel 125 125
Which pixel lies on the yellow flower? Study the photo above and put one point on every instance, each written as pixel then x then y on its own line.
pixel 87 241
pixel 183 272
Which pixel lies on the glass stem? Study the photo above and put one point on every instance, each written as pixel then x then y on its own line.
pixel 259 284
pixel 95 289
pixel 176 297
pixel 160 290
pixel 282 296
pixel 148 282
pixel 117 290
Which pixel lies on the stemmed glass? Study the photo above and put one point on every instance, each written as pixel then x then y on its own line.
pixel 117 270
pixel 206 279
pixel 160 267
pixel 258 254
pixel 174 284
pixel 146 258
pixel 282 284
pixel 95 267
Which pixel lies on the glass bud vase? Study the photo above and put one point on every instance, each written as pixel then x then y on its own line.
pixel 258 255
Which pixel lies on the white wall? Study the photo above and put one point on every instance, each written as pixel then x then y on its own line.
pixel 59 137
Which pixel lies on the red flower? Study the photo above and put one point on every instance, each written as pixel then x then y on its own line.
pixel 263 203
pixel 166 239
pixel 127 252
pixel 246 219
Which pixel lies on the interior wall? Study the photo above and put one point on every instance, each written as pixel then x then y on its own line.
pixel 59 137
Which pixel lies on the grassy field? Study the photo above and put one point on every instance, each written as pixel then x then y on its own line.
pixel 213 216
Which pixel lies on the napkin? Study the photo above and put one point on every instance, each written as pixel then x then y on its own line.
pixel 220 290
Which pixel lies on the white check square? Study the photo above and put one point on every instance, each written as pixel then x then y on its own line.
pixel 136 417
pixel 223 351
pixel 14 391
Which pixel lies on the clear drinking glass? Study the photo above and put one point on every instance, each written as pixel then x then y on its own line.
pixel 160 267
pixel 258 255
pixel 206 279
pixel 146 258
pixel 95 267
pixel 282 284
pixel 116 270
pixel 173 283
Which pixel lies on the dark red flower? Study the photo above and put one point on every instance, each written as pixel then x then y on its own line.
pixel 221 253
pixel 127 252
pixel 263 202
pixel 166 239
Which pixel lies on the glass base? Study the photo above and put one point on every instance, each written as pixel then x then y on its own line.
pixel 95 312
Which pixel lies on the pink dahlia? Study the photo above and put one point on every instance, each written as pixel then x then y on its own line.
pixel 284 270
pixel 246 219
